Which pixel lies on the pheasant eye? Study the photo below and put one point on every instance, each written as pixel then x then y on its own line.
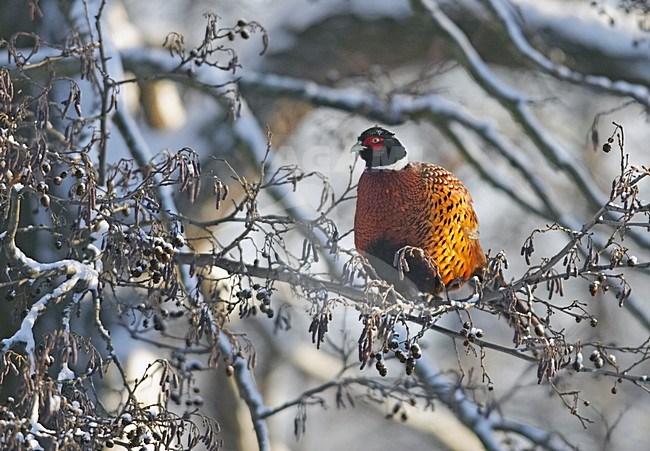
pixel 370 140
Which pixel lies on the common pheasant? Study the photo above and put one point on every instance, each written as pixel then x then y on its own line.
pixel 418 213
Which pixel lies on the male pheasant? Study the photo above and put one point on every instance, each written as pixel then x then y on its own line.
pixel 418 212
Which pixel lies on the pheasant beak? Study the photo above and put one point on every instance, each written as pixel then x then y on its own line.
pixel 358 147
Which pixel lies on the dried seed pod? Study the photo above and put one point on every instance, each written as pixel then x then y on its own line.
pixel 178 240
pixel 410 366
pixel 168 248
pixel 381 368
pixel 416 352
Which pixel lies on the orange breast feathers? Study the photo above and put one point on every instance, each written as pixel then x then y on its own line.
pixel 423 206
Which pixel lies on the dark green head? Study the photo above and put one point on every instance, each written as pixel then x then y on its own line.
pixel 381 150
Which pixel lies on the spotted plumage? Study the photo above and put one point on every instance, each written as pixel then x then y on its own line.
pixel 417 205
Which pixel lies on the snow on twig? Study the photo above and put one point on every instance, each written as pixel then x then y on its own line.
pixel 469 414
pixel 503 10
pixel 81 278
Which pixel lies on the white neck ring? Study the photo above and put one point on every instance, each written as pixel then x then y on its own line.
pixel 398 165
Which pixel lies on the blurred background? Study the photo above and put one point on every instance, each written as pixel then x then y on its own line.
pixel 534 83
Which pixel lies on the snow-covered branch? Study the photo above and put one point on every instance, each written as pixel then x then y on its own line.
pixel 503 11
pixel 484 426
pixel 81 278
